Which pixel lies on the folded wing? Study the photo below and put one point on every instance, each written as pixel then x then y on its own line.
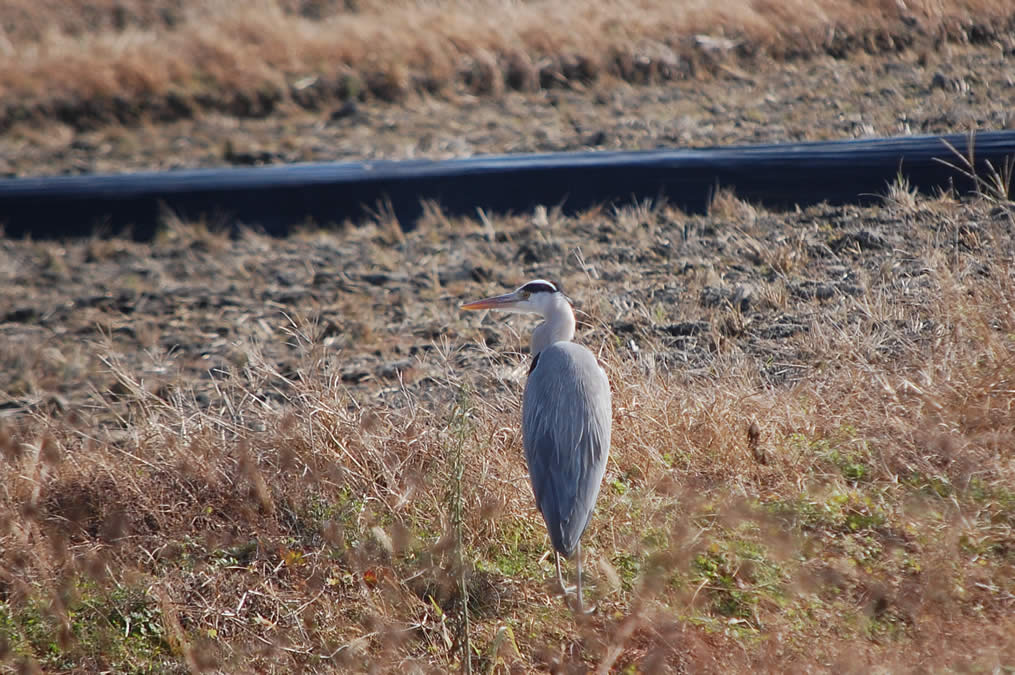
pixel 566 422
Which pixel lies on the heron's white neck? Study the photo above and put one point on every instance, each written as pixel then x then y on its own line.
pixel 557 325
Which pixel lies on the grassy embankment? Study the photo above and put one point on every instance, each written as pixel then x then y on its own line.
pixel 124 61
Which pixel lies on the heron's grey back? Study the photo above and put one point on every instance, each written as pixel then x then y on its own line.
pixel 566 421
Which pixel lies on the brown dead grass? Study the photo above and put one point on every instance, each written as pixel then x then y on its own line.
pixel 291 520
pixel 123 61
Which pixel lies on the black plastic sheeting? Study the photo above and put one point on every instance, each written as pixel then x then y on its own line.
pixel 276 198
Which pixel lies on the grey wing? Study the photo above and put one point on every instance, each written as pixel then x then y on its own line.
pixel 566 422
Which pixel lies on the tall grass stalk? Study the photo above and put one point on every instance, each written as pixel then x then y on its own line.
pixel 460 428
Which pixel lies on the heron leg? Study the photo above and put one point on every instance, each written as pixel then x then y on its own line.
pixel 581 605
pixel 564 588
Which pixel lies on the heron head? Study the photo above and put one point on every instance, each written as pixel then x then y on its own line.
pixel 534 297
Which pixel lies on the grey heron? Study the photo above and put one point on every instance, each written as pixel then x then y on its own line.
pixel 566 419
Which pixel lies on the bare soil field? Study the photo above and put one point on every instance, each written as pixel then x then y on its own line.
pixel 245 454
pixel 960 87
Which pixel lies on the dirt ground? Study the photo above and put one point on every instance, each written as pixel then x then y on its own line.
pixel 197 299
pixel 120 345
pixel 959 89
pixel 88 289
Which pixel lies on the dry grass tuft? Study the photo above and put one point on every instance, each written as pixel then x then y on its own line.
pixel 901 194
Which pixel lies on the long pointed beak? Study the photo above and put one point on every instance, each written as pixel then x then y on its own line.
pixel 505 301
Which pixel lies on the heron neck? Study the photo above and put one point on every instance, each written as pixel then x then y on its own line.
pixel 557 326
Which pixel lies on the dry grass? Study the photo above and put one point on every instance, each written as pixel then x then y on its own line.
pixel 268 513
pixel 124 60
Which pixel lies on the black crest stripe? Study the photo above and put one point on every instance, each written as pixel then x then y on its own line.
pixel 539 287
